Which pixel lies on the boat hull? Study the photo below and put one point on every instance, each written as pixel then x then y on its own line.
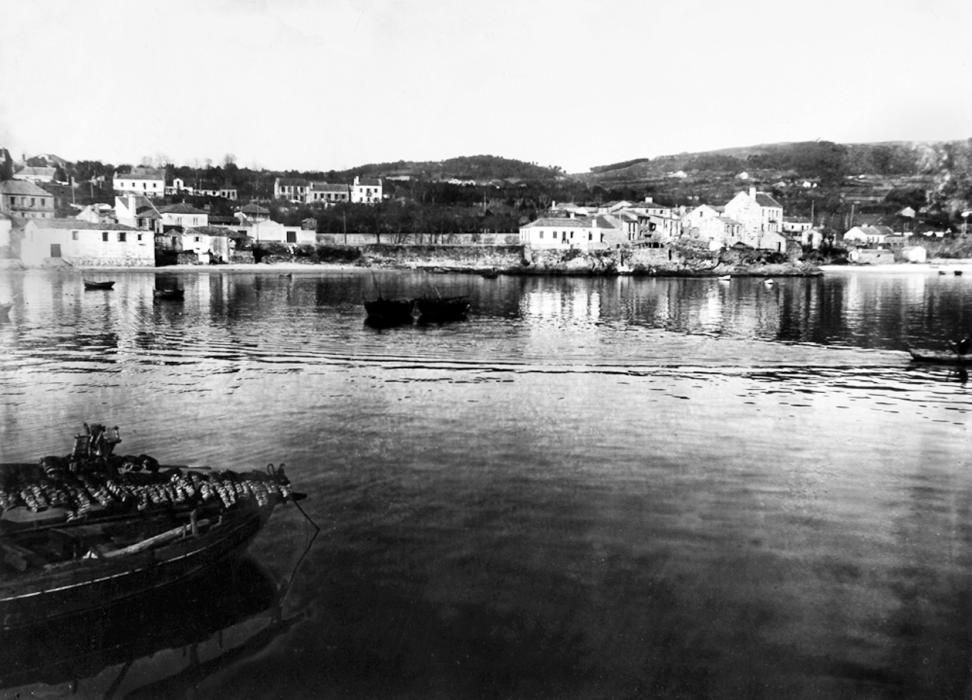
pixel 389 312
pixel 940 358
pixel 80 586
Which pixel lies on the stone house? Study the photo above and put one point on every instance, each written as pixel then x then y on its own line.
pixel 82 243
pixel 22 200
pixel 758 212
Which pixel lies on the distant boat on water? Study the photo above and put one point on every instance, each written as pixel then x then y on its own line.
pixel 91 284
pixel 490 274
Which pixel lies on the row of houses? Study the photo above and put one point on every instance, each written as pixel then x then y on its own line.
pixel 751 218
pixel 304 191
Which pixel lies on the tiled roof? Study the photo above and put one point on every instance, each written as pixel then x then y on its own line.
pixel 36 171
pixel 78 224
pixel 327 187
pixel 181 208
pixel 22 187
pixel 369 182
pixel 558 221
pixel 764 200
pixel 292 181
pixel 142 174
pixel 209 230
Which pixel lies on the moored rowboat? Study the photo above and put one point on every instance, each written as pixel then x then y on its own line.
pixel 941 357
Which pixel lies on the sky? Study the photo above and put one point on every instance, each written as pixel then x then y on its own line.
pixel 333 84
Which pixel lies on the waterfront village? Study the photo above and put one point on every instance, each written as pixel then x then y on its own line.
pixel 148 223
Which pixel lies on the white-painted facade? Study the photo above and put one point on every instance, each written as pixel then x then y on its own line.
pixel 577 233
pixel 84 244
pixel 145 181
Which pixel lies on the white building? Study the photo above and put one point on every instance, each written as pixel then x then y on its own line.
pixel 579 233
pixel 85 244
pixel 183 215
pixel 145 181
pixel 761 218
pixel 868 235
pixel 366 190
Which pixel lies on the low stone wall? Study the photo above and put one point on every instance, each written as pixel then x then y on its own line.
pixel 446 257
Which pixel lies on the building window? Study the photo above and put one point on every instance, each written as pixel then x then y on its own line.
pixel 74 235
pixel 104 236
pixel 31 201
pixel 140 237
pixel 541 235
pixel 197 239
pixel 590 236
pixel 121 236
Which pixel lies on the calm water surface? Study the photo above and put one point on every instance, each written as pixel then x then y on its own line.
pixel 591 488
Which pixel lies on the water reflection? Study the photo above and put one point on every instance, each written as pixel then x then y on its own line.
pixel 106 646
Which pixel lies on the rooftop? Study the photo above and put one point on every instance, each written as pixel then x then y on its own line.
pixel 22 187
pixel 78 224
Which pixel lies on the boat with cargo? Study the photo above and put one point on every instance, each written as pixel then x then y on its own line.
pixel 91 527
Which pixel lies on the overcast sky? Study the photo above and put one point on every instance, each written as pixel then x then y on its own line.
pixel 320 85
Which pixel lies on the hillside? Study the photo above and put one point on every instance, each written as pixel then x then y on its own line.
pixel 481 168
pixel 820 176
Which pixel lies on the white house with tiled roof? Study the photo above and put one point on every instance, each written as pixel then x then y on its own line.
pixel 327 193
pixel 23 200
pixel 758 212
pixel 183 215
pixel 710 226
pixel 293 189
pixel 149 182
pixel 366 190
pixel 84 244
pixel 577 233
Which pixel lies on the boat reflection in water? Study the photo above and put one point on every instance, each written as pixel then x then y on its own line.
pixel 194 616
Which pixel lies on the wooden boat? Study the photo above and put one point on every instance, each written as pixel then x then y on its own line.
pixel 384 312
pixel 170 294
pixel 940 357
pixel 957 273
pixel 80 531
pixel 92 285
pixel 436 309
pixel 183 615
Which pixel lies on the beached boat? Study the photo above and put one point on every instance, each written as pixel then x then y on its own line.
pixel 389 312
pixel 80 531
pixel 436 309
pixel 940 357
pixel 170 294
pixel 92 285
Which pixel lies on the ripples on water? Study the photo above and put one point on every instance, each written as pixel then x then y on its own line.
pixel 624 487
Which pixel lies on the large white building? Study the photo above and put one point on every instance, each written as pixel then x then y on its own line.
pixel 145 181
pixel 85 244
pixel 578 233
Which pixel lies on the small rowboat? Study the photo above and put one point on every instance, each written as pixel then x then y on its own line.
pixel 385 313
pixel 941 357
pixel 91 285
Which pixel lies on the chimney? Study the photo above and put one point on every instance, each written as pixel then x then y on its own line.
pixel 648 200
pixel 752 192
